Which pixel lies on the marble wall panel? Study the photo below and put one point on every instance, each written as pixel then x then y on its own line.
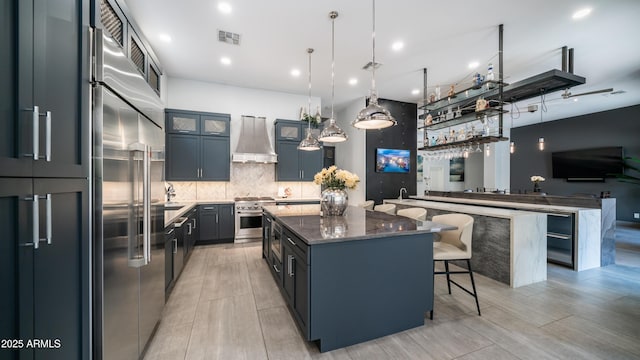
pixel 245 180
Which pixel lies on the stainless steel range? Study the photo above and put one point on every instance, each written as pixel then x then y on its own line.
pixel 249 217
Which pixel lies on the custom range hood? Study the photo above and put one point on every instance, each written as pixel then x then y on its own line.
pixel 254 145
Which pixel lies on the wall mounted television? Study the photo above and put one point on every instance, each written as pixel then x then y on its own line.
pixel 393 160
pixel 588 164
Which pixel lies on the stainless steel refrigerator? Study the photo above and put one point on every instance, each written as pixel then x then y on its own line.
pixel 128 206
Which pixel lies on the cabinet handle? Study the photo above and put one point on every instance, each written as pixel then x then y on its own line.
pixel 36 136
pixel 559 215
pixel 302 172
pixel 216 218
pixel 290 265
pixel 48 217
pixel 208 208
pixel 194 223
pixel 189 231
pixel 291 241
pixel 35 235
pixel 35 118
pixel 170 231
pixel 47 153
pixel 175 246
pixel 276 268
pixel 559 236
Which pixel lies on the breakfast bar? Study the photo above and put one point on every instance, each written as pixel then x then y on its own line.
pixel 349 279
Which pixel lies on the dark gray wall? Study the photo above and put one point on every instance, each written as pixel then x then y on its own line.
pixel 402 136
pixel 619 127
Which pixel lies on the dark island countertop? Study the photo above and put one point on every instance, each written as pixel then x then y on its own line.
pixel 357 224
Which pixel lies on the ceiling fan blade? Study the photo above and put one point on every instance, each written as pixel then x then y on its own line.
pixel 590 92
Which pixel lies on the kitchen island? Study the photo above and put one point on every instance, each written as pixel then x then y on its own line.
pixel 353 278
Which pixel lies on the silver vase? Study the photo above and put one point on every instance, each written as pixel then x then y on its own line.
pixel 334 202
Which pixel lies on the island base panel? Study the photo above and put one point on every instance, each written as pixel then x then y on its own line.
pixel 362 290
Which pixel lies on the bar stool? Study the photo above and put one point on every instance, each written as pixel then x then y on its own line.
pixel 368 205
pixel 386 208
pixel 414 213
pixel 455 245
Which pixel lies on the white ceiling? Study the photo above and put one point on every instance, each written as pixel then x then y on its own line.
pixel 443 36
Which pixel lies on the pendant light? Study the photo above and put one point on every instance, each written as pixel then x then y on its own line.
pixel 543 108
pixel 332 133
pixel 309 143
pixel 374 116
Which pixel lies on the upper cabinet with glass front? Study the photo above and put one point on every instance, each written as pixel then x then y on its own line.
pixel 197 123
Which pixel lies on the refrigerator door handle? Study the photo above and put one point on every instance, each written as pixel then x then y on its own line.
pixel 146 186
pixel 136 259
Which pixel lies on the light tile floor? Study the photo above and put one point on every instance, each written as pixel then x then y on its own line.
pixel 226 306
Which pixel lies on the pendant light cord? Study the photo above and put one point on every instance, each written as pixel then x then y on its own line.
pixel 373 52
pixel 333 63
pixel 309 51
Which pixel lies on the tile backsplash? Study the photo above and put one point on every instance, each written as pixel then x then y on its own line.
pixel 245 180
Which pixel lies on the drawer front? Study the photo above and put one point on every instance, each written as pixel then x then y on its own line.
pixel 298 246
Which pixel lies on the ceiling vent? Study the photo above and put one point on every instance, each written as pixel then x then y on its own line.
pixel 369 65
pixel 228 37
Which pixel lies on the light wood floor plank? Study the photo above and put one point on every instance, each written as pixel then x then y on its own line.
pixel 169 343
pixel 227 328
pixel 226 280
pixel 492 352
pixel 281 336
pixel 265 290
pixel 594 338
pixel 448 340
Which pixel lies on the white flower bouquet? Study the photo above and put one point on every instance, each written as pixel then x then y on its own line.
pixel 335 178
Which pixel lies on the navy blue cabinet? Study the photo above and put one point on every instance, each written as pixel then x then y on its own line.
pixel 227 218
pixel 44 257
pixel 197 146
pixel 217 223
pixel 43 72
pixel 214 158
pixel 296 277
pixel 294 164
pixel 44 167
pixel 182 157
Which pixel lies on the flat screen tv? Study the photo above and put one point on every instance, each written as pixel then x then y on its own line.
pixel 587 164
pixel 392 160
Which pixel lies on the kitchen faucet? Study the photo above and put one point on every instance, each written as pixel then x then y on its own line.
pixel 171 192
pixel 405 191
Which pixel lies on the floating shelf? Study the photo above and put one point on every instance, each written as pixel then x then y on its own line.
pixel 474 140
pixel 459 97
pixel 465 118
pixel 544 83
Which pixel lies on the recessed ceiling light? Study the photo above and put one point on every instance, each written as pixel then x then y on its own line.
pixel 353 81
pixel 225 60
pixel 295 72
pixel 473 64
pixel 397 46
pixel 581 13
pixel 415 91
pixel 164 37
pixel 224 7
pixel 575 100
